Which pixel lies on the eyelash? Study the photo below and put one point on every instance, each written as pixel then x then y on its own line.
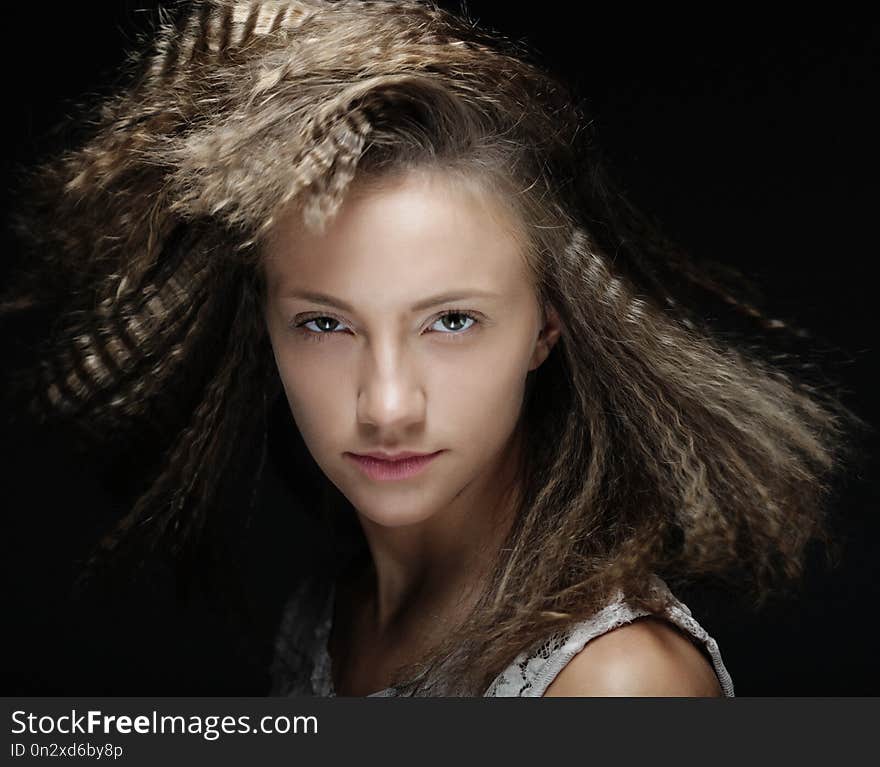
pixel 319 336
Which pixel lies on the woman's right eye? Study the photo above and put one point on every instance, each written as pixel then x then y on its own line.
pixel 324 324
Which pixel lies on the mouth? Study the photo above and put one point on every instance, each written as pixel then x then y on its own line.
pixel 389 470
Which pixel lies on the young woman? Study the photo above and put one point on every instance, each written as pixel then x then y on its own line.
pixel 518 422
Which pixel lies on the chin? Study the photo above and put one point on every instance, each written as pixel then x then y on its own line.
pixel 390 521
pixel 396 514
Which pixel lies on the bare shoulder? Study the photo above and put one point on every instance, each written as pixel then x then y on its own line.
pixel 649 657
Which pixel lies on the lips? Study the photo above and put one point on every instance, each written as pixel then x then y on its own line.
pixel 393 456
pixel 408 465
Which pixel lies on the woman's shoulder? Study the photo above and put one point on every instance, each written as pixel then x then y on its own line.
pixel 625 651
pixel 648 657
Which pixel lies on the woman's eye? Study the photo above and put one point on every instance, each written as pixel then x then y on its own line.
pixel 323 325
pixel 452 322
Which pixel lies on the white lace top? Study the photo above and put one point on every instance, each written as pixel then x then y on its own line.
pixel 301 665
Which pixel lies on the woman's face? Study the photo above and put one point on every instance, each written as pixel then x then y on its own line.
pixel 408 325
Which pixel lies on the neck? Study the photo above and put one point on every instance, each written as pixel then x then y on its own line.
pixel 432 572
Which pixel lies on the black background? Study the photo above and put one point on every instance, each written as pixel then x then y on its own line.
pixel 752 137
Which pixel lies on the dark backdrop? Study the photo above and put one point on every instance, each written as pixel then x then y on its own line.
pixel 751 137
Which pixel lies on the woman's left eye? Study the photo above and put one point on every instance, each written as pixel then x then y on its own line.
pixel 458 318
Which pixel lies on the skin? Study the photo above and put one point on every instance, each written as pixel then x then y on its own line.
pixel 385 376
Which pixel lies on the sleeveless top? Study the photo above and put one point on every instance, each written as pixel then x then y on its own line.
pixel 302 666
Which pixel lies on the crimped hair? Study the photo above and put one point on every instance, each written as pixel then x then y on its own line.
pixel 658 438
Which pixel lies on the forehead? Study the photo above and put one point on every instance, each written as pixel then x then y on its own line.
pixel 420 231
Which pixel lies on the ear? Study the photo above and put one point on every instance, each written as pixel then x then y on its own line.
pixel 547 337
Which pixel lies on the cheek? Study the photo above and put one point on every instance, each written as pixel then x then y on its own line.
pixel 315 393
pixel 481 393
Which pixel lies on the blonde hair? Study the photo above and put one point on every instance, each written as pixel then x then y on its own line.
pixel 656 441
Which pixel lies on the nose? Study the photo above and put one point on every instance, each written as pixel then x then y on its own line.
pixel 390 397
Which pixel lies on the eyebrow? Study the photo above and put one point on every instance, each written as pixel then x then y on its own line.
pixel 441 298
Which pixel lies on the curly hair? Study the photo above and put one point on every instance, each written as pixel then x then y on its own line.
pixel 659 439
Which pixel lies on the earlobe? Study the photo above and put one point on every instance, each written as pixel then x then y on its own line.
pixel 552 327
pixel 547 337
